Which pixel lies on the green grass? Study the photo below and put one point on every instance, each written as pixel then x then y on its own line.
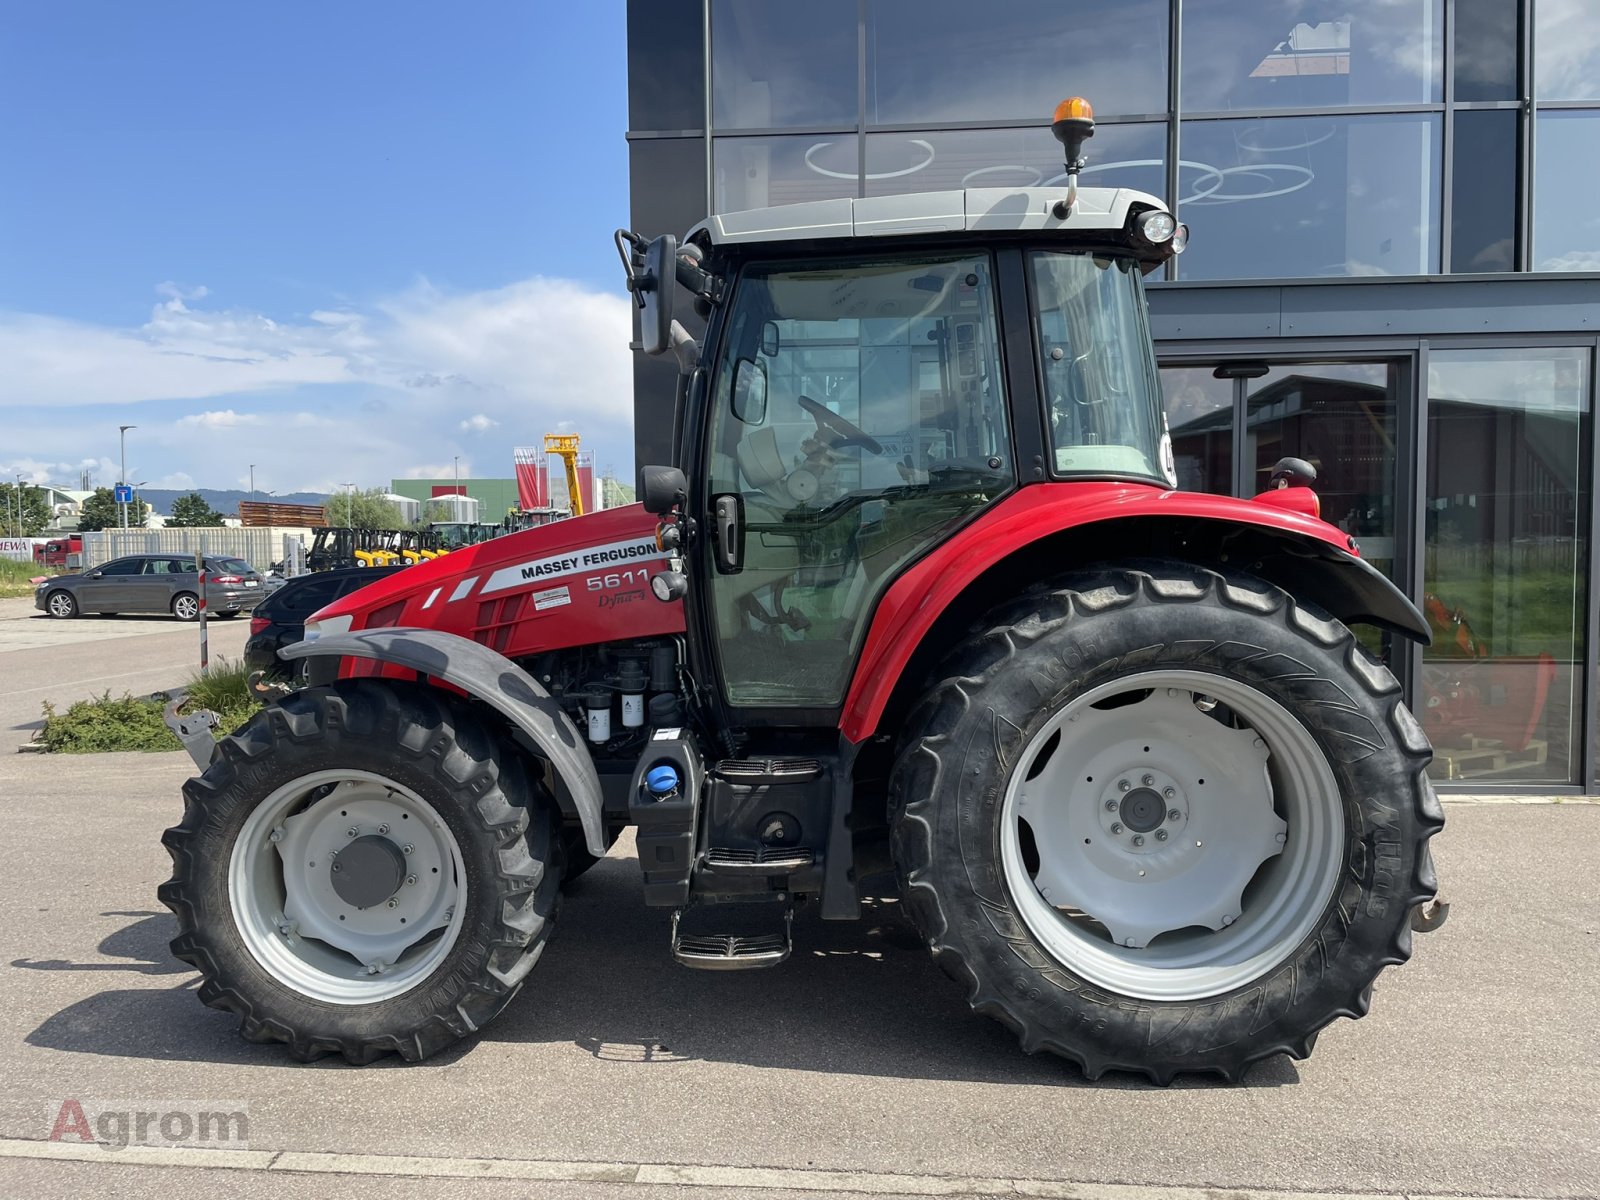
pixel 14 577
pixel 135 722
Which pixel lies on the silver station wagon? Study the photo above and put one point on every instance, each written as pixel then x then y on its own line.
pixel 153 583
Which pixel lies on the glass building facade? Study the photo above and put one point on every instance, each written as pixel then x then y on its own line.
pixel 1394 271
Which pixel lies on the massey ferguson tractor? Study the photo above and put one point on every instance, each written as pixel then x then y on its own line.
pixel 917 611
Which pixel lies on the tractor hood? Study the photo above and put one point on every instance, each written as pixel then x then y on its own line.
pixel 573 582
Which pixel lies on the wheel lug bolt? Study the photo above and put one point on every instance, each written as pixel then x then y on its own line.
pixel 276 835
pixel 1123 785
pixel 1226 921
pixel 407 848
pixel 1161 835
pixel 384 828
pixel 393 903
pixel 1173 814
pixel 352 831
pixel 1148 780
pixel 410 879
pixel 1169 793
pixel 1138 839
pixel 1111 806
pixel 1116 828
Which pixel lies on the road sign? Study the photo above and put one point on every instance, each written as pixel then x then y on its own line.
pixel 122 494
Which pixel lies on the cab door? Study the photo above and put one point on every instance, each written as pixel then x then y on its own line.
pixel 857 415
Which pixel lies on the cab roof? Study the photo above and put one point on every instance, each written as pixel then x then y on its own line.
pixel 967 210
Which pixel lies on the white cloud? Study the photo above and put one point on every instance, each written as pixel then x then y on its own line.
pixel 225 419
pixel 359 392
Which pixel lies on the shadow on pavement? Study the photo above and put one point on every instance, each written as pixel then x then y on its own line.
pixel 855 998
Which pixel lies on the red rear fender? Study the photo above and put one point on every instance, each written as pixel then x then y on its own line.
pixel 1043 531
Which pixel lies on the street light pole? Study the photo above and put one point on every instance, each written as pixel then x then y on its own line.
pixel 122 478
pixel 350 505
pixel 252 481
pixel 458 474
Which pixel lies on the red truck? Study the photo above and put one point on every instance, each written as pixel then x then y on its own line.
pixel 60 552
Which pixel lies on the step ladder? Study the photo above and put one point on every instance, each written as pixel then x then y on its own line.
pixel 732 951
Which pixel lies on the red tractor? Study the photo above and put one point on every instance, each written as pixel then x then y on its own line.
pixel 919 609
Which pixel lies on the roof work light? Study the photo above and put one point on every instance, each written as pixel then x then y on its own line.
pixel 1073 124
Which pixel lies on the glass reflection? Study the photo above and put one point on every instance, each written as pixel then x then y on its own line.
pixel 1200 418
pixel 1131 156
pixel 1294 196
pixel 1506 557
pixel 777 65
pixel 1293 53
pixel 755 172
pixel 1566 50
pixel 1005 62
pixel 1566 224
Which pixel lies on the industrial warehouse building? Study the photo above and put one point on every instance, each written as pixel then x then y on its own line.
pixel 1394 272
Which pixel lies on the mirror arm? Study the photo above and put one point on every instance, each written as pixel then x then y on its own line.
pixel 685 349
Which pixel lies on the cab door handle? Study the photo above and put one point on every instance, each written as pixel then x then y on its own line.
pixel 727 524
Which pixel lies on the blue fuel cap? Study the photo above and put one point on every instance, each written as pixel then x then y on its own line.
pixel 662 780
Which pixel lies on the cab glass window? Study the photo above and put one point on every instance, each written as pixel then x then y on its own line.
pixel 1099 370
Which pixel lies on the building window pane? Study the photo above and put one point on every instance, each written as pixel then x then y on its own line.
pixel 1506 562
pixel 1294 196
pixel 1119 156
pixel 754 172
pixel 1200 418
pixel 1487 50
pixel 1566 224
pixel 779 65
pixel 666 66
pixel 1483 192
pixel 1288 53
pixel 1013 61
pixel 1566 50
pixel 667 184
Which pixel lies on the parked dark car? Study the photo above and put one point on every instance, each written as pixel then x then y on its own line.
pixel 153 583
pixel 280 620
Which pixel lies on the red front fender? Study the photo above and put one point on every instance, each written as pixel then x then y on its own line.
pixel 1071 525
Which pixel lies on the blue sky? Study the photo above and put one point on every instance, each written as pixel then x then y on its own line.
pixel 338 240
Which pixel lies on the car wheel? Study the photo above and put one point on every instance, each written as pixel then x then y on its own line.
pixel 61 605
pixel 186 606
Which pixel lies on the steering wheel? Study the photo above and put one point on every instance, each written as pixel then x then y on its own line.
pixel 844 432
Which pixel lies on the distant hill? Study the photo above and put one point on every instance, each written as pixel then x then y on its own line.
pixel 224 502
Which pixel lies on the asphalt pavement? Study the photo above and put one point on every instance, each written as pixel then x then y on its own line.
pixel 853 1069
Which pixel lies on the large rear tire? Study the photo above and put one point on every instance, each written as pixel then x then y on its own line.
pixel 1161 821
pixel 362 870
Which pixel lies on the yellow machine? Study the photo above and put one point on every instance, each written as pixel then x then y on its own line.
pixel 566 445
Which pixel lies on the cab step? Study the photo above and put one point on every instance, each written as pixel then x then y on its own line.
pixel 764 860
pixel 732 951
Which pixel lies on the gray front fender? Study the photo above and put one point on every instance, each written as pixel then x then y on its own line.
pixel 492 678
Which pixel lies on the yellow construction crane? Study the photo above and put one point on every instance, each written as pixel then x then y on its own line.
pixel 566 445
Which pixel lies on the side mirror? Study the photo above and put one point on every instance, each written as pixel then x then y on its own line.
pixel 655 287
pixel 661 489
pixel 95 574
pixel 750 392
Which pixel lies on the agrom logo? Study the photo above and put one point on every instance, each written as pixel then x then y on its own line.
pixel 115 1126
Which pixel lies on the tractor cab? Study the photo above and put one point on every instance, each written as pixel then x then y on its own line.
pixel 875 374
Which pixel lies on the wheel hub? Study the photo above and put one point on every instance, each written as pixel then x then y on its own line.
pixel 368 871
pixel 1143 810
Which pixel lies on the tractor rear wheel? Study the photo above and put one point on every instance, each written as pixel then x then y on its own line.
pixel 363 869
pixel 1161 820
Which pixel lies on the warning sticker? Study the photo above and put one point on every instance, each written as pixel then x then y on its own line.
pixel 553 598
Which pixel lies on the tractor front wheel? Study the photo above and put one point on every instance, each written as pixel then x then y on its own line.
pixel 363 869
pixel 1161 821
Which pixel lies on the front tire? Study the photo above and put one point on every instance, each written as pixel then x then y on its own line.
pixel 61 605
pixel 1164 821
pixel 447 902
pixel 186 606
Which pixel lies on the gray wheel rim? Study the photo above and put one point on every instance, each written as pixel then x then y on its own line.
pixel 186 607
pixel 61 605
pixel 303 931
pixel 1213 891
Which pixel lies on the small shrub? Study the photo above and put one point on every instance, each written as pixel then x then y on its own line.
pixel 97 726
pixel 226 692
